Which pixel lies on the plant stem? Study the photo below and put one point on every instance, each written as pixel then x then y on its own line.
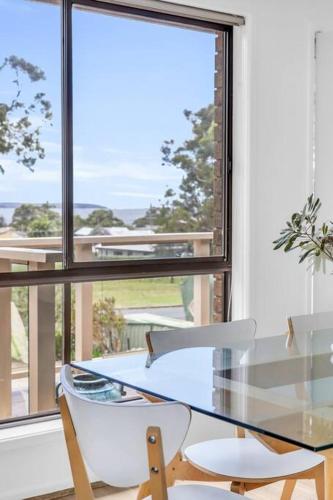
pixel 315 242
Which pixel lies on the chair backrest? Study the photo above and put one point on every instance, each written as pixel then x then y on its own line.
pixel 112 436
pixel 215 335
pixel 308 322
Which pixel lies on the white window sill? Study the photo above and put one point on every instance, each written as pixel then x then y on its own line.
pixel 30 430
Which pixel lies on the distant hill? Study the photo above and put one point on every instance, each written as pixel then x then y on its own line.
pixel 128 215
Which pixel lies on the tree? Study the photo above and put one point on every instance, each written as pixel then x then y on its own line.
pixel 79 222
pixel 149 219
pixel 191 207
pixel 23 215
pixel 36 220
pixel 18 135
pixel 42 226
pixel 108 326
pixel 103 217
pixel 2 221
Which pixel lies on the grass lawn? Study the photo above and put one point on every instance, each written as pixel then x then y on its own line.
pixel 146 292
pixel 141 292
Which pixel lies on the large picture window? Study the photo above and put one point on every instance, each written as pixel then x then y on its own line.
pixel 115 183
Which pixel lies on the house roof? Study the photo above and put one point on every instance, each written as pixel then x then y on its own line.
pixel 112 231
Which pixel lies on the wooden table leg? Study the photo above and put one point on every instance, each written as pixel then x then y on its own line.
pixel 328 454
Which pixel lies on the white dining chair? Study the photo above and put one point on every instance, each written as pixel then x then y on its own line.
pixel 304 323
pixel 244 461
pixel 125 444
pixel 215 335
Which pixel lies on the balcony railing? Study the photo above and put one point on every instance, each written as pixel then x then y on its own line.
pixel 45 253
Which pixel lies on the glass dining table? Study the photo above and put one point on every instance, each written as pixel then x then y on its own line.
pixel 281 391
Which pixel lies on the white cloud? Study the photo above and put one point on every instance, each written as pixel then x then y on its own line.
pixel 19 173
pixel 123 170
pixel 42 175
pixel 55 147
pixel 135 194
pixel 120 154
pixel 5 189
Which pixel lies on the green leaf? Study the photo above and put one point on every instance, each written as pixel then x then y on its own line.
pixel 306 254
pixel 289 245
pixel 281 241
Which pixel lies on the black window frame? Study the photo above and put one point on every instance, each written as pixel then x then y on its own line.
pixel 74 272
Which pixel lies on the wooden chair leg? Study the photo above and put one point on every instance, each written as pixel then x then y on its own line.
pixel 144 491
pixel 288 489
pixel 237 487
pixel 239 432
pixel 170 475
pixel 320 481
pixel 156 464
pixel 83 490
pixel 171 470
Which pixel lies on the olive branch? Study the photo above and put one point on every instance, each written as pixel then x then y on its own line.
pixel 303 232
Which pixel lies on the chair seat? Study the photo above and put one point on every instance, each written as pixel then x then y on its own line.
pixel 198 492
pixel 247 458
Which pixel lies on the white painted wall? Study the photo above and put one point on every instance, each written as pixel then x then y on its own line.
pixel 276 168
pixel 272 177
pixel 323 174
pixel 275 84
pixel 33 461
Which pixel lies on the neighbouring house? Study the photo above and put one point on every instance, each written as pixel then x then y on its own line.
pixel 9 232
pixel 124 249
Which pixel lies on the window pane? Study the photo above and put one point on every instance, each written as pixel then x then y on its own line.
pixel 108 317
pixel 30 349
pixel 147 138
pixel 114 316
pixel 30 135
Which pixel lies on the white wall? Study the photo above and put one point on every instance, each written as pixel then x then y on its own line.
pixel 323 174
pixel 275 87
pixel 33 461
pixel 277 171
pixel 272 177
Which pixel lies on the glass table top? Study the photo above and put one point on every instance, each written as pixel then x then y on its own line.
pixel 263 384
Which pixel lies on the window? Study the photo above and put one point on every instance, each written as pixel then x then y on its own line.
pixel 108 317
pixel 147 111
pixel 119 199
pixel 30 136
pixel 30 349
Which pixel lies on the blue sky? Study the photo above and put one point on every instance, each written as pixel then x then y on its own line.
pixel 132 81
